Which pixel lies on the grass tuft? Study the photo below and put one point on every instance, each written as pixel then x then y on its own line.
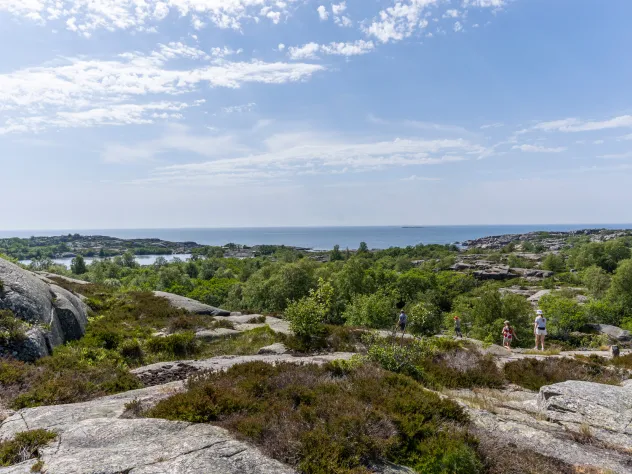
pixel 24 446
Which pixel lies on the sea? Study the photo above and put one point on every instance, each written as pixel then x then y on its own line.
pixel 321 238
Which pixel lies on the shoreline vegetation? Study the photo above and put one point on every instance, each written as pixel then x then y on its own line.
pixel 346 416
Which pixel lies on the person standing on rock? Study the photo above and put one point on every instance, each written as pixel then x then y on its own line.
pixel 402 322
pixel 457 326
pixel 508 335
pixel 539 329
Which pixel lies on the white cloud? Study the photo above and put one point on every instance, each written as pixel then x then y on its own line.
pixel 576 125
pixel 598 142
pixel 457 26
pixel 281 47
pixel 239 108
pixel 176 138
pixel 414 177
pixel 452 13
pixel 538 149
pixel 311 50
pixel 322 12
pixel 617 156
pixel 343 21
pixel 36 96
pixel 484 3
pixel 492 125
pixel 339 8
pixel 86 16
pixel 295 154
pixel 121 114
pixel 399 21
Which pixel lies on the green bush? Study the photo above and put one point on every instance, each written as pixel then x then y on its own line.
pixel 24 446
pixel 131 351
pixel 376 310
pixel 533 374
pixel 488 312
pixel 12 329
pixel 336 419
pixel 174 345
pixel 564 315
pixel 307 315
pixel 424 319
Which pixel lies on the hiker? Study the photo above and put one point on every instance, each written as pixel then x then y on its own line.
pixel 457 326
pixel 539 329
pixel 508 335
pixel 402 322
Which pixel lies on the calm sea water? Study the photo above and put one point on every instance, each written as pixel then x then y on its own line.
pixel 321 237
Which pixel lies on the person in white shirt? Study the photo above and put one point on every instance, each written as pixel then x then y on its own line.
pixel 539 329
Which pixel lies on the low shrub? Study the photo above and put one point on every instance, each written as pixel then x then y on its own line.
pixel 24 446
pixel 183 322
pixel 246 343
pixel 72 374
pixel 533 373
pixel 12 329
pixel 257 320
pixel 131 351
pixel 436 362
pixel 174 345
pixel 624 361
pixel 223 323
pixel 330 419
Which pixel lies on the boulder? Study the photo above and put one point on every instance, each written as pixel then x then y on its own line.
pixel 193 306
pixel 613 332
pixel 213 334
pixel 278 348
pixel 58 316
pixel 535 299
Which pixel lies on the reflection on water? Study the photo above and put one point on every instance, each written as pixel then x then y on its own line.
pixel 143 260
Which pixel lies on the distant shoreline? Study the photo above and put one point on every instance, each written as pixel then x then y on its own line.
pixel 171 241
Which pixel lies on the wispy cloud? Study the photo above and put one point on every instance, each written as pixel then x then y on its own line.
pixel 311 50
pixel 87 16
pixel 294 154
pixel 83 92
pixel 577 125
pixel 492 125
pixel 538 149
pixel 414 177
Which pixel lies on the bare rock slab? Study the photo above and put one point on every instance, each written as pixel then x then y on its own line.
pixel 193 306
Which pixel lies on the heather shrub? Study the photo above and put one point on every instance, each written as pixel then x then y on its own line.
pixel 533 374
pixel 24 446
pixel 339 418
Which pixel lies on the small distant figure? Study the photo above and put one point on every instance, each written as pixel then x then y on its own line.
pixel 402 322
pixel 615 352
pixel 539 329
pixel 457 326
pixel 508 335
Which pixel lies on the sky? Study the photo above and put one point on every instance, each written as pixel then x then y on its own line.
pixel 248 113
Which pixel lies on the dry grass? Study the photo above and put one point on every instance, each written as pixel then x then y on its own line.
pixel 506 458
pixel 548 352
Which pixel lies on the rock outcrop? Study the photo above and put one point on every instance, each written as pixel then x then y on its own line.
pixel 57 315
pixel 163 372
pixel 190 305
pixel 613 332
pixel 581 424
pixel 99 437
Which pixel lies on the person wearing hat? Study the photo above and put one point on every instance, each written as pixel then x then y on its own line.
pixel 508 335
pixel 539 329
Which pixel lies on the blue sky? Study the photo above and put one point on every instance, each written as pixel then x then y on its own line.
pixel 209 113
